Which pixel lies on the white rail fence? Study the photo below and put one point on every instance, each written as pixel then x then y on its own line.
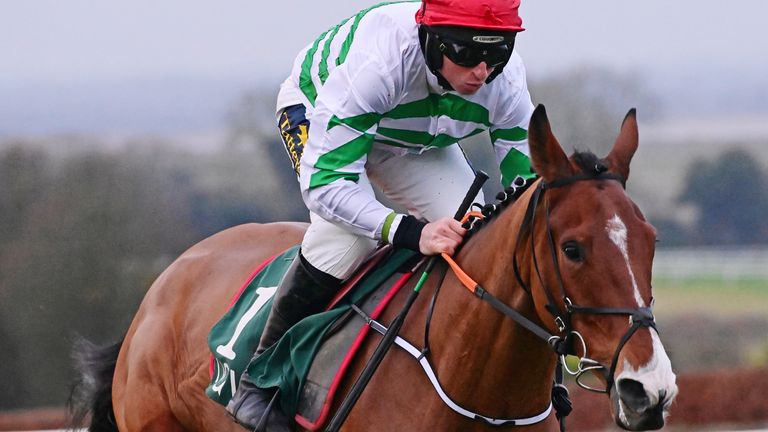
pixel 725 263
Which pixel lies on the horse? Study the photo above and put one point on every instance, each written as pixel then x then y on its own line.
pixel 564 268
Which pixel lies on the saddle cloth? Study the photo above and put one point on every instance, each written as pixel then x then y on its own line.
pixel 309 361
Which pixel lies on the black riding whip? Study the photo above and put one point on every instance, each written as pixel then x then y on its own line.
pixel 389 337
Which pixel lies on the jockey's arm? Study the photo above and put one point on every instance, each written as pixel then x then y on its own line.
pixel 344 122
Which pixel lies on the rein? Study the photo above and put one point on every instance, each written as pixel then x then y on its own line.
pixel 561 345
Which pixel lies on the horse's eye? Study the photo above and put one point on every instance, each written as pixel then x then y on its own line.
pixel 572 251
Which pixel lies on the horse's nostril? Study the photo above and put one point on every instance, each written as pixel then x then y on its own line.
pixel 633 394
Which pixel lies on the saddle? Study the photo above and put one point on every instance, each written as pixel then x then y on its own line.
pixel 310 360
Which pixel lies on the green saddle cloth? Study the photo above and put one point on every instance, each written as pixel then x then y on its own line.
pixel 286 364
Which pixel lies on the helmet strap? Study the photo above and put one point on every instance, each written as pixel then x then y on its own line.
pixel 496 72
pixel 433 56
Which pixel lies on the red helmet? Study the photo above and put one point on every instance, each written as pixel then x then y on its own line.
pixel 480 14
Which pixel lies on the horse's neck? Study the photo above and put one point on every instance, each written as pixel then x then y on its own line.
pixel 502 365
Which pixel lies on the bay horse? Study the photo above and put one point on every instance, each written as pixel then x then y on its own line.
pixel 572 255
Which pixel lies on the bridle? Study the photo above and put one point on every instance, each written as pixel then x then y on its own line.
pixel 640 317
pixel 561 343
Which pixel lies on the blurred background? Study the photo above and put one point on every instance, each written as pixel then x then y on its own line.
pixel 131 130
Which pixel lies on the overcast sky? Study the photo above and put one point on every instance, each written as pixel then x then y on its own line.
pixel 169 65
pixel 75 40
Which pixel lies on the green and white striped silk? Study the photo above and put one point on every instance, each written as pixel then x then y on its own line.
pixel 314 67
pixel 365 85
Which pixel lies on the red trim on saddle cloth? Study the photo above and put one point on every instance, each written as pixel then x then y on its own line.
pixel 320 421
pixel 237 296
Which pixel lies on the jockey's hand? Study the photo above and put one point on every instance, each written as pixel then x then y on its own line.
pixel 442 235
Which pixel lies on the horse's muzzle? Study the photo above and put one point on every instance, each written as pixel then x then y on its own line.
pixel 634 409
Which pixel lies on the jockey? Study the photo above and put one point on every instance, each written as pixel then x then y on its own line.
pixel 388 97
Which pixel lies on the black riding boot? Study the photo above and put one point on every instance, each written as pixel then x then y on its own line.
pixel 303 291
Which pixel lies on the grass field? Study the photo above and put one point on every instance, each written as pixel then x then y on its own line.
pixel 711 295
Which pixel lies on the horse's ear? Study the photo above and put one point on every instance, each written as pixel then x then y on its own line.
pixel 625 146
pixel 548 159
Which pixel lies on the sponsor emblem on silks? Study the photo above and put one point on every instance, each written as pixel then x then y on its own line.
pixel 488 39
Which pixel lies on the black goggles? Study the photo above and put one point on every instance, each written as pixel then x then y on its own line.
pixel 472 54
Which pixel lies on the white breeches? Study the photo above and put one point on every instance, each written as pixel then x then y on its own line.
pixel 429 186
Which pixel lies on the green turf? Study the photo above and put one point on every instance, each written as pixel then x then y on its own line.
pixel 713 295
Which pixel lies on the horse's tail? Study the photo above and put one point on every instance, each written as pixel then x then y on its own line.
pixel 92 390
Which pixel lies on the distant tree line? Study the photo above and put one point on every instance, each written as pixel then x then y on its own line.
pixel 83 237
pixel 729 194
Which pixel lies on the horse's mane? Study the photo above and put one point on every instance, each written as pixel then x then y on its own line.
pixel 585 160
pixel 503 200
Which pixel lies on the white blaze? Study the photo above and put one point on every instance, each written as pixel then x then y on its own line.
pixel 656 376
pixel 617 232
